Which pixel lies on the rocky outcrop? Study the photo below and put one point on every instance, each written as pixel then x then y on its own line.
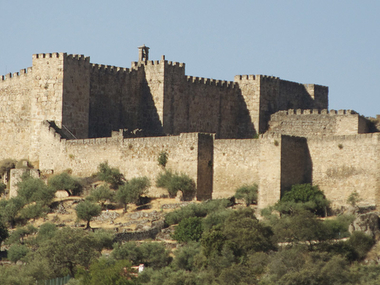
pixel 368 223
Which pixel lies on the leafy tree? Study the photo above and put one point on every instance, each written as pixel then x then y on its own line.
pixel 46 231
pixel 35 190
pixel 4 234
pixel 186 257
pixel 175 182
pixel 241 232
pixel 17 252
pixel 361 243
pixel 9 209
pixel 64 181
pixel 18 235
pixel 33 211
pixel 189 229
pixel 151 254
pixel 107 271
pixel 110 175
pixel 248 193
pixel 131 191
pixel 64 253
pixel 298 227
pixel 104 238
pixel 86 210
pixel 306 196
pixel 11 275
pixel 101 194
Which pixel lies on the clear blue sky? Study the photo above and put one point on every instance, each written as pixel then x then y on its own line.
pixel 327 42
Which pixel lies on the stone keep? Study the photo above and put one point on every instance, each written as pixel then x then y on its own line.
pixel 65 112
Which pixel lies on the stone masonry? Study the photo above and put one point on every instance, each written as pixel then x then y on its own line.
pixel 65 112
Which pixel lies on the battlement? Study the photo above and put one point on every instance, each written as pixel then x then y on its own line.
pixel 313 112
pixel 78 57
pixel 48 55
pixel 341 138
pixel 109 69
pixel 211 82
pixel 254 77
pixel 16 75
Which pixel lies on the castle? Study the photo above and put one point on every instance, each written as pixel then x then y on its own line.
pixel 65 112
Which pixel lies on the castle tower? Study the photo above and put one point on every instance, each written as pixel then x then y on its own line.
pixel 143 54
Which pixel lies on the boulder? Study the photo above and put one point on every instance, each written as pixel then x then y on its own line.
pixel 368 223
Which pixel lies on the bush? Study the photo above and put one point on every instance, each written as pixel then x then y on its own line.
pixel 248 193
pixel 131 191
pixel 34 211
pixel 163 158
pixel 151 254
pixel 196 210
pixel 189 229
pixel 65 181
pixel 175 182
pixel 361 243
pixel 307 196
pixel 110 175
pixel 17 252
pixel 86 211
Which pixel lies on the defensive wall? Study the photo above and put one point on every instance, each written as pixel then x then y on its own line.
pixel 316 122
pixel 159 108
pixel 190 153
pixel 344 164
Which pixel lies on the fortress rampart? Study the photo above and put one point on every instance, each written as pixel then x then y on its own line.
pixel 317 122
pixel 66 112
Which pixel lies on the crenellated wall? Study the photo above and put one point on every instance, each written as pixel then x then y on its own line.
pixel 15 114
pixel 189 153
pixel 100 113
pixel 315 122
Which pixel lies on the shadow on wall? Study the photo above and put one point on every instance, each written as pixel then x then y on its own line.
pixel 246 128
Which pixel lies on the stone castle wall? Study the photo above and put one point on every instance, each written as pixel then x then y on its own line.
pixel 265 95
pixel 236 162
pixel 15 114
pixel 307 123
pixel 188 153
pixel 343 164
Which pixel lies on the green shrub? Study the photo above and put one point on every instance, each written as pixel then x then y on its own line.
pixel 175 182
pixel 64 181
pixel 248 193
pixel 131 191
pixel 361 243
pixel 306 196
pixel 353 199
pixel 163 158
pixel 17 252
pixel 151 254
pixel 196 210
pixel 189 229
pixel 110 175
pixel 34 211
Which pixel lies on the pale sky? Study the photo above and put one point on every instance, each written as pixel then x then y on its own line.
pixel 327 42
